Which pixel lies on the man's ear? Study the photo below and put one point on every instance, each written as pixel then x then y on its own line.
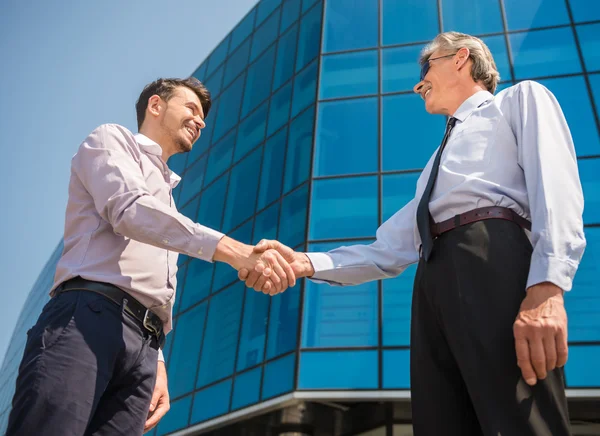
pixel 155 105
pixel 462 56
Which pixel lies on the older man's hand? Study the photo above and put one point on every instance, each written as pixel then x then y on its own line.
pixel 255 278
pixel 541 332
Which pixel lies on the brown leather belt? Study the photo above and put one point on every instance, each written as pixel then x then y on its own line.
pixel 482 213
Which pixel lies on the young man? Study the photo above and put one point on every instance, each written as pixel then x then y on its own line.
pixel 92 364
pixel 496 228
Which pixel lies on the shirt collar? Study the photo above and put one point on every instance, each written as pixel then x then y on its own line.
pixel 151 147
pixel 470 104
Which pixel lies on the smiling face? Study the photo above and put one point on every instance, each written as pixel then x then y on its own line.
pixel 182 119
pixel 442 74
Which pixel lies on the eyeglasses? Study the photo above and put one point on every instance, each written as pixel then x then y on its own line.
pixel 425 66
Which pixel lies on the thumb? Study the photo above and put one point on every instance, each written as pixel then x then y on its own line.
pixel 243 274
pixel 154 401
pixel 264 245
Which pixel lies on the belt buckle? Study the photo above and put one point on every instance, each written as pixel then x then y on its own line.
pixel 148 324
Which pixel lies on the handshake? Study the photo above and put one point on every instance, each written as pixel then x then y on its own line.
pixel 269 267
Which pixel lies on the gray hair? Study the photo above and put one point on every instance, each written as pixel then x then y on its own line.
pixel 484 68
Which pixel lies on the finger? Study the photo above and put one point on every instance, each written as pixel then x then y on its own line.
pixel 260 283
pixel 243 274
pixel 550 352
pixel 538 357
pixel 562 349
pixel 262 246
pixel 252 278
pixel 524 362
pixel 264 269
pixel 287 271
pixel 160 411
pixel 280 272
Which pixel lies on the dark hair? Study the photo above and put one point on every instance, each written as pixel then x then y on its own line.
pixel 165 88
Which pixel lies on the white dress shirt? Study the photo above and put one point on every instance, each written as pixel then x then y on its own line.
pixel 513 150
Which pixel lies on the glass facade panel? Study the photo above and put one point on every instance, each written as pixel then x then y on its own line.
pixel 246 389
pixel 265 225
pixel 254 329
pixel 221 336
pixel 218 55
pixel 242 30
pixel 286 57
pixel 192 183
pixel 265 9
pixel 338 143
pixel 224 274
pixel 305 89
pixel 229 108
pixel 398 190
pixel 585 10
pixel 310 36
pixel 265 35
pixel 258 84
pixel 237 63
pixel 272 169
pixel 589 38
pixel 397 300
pixel 197 283
pixel 297 161
pixel 177 418
pixel 292 222
pixel 183 362
pixel 210 212
pixel 219 158
pixel 343 18
pixel 279 111
pixel 402 148
pixel 544 53
pixel 283 322
pixel 338 370
pixel 289 13
pixel 497 45
pixel 535 13
pixel 211 402
pixel 251 131
pixel 177 162
pixel 579 373
pixel 484 16
pixel 396 369
pixel 595 84
pixel 279 376
pixel 344 208
pixel 409 20
pixel 400 68
pixel 349 74
pixel 215 82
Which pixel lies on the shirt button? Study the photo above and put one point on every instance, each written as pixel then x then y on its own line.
pixel 165 241
pixel 200 251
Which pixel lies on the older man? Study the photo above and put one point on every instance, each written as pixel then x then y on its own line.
pixel 496 228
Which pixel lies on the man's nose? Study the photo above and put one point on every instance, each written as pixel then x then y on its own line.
pixel 418 87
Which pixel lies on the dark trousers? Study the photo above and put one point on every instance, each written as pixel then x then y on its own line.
pixel 464 374
pixel 89 368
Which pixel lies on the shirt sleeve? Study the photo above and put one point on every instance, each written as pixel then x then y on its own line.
pixel 107 163
pixel 392 252
pixel 547 156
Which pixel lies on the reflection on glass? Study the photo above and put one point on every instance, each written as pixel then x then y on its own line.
pixel 338 370
pixel 344 18
pixel 406 21
pixel 349 74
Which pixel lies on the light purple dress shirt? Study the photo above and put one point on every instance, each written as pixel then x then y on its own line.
pixel 122 226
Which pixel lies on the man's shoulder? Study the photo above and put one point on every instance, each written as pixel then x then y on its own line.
pixel 522 88
pixel 113 129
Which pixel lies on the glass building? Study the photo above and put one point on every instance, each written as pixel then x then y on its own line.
pixel 315 138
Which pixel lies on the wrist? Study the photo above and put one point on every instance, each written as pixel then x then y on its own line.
pixel 306 266
pixel 232 252
pixel 546 289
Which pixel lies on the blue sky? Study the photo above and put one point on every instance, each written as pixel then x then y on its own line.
pixel 67 67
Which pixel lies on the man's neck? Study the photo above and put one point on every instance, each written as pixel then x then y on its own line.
pixel 463 94
pixel 167 152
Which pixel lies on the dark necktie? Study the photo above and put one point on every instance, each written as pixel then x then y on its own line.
pixel 423 216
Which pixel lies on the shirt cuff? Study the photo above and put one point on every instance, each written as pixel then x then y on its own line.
pixel 551 269
pixel 321 262
pixel 161 356
pixel 204 243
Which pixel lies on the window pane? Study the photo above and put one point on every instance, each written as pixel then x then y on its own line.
pixel 192 181
pixel 272 169
pixel 183 361
pixel 246 389
pixel 177 418
pixel 305 89
pixel 573 97
pixel 400 68
pixel 535 13
pixel 585 10
pixel 583 302
pixel 220 338
pixel 483 16
pixel 338 370
pixel 299 146
pixel 279 112
pixel 398 190
pixel 241 198
pixel 197 283
pixel 310 36
pixel 580 372
pixel 595 83
pixel 176 162
pixel 589 39
pixel 409 20
pixel 307 4
pixel 335 316
pixel 396 369
pixel 258 85
pixel 350 24
pixel 290 13
pixel 397 301
pixel 344 208
pixel 283 322
pixel 265 226
pixel 229 108
pixel 200 72
pixel 286 56
pixel 181 273
pixel 544 53
pixel 343 150
pixel 237 62
pixel 243 30
pixel 254 329
pixel 212 204
pixel 497 45
pixel 225 274
pixel 211 402
pixel 251 131
pixel 348 75
pixel 219 157
pixel 190 209
pixel 279 376
pixel 265 35
pixel 398 143
pixel 265 8
pixel 292 223
pixel 215 82
pixel 218 55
